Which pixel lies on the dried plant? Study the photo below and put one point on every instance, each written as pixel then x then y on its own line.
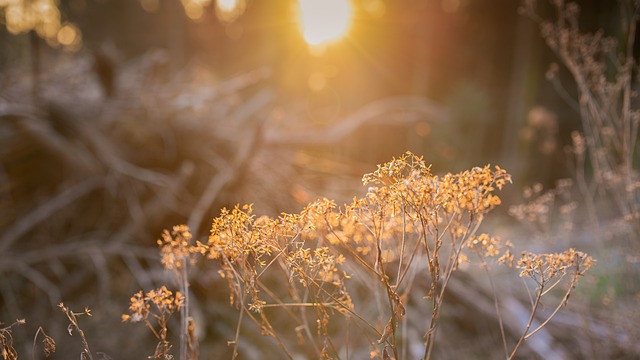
pixel 177 255
pixel 159 304
pixel 304 273
pixel 73 325
pixel 547 271
pixel 606 151
pixel 49 343
pixel 548 214
pixel 6 340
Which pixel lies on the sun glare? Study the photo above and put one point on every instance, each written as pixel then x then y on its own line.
pixel 324 21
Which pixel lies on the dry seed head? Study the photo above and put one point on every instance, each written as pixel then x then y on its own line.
pixel 543 267
pixel 160 301
pixel 176 248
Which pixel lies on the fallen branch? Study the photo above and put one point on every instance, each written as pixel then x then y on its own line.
pixel 46 210
pixel 376 112
pixel 41 132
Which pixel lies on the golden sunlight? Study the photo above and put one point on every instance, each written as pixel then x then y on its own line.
pixel 228 11
pixel 324 21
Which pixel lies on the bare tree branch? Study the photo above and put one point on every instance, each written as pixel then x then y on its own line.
pixel 413 109
pixel 42 213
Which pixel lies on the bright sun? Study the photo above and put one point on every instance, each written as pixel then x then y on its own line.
pixel 324 21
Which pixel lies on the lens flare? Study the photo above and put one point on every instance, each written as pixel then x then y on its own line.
pixel 324 21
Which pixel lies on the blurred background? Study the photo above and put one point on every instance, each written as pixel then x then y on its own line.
pixel 120 118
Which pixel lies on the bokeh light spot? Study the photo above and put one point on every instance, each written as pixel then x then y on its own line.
pixel 150 6
pixel 194 9
pixel 69 35
pixel 229 11
pixel 324 21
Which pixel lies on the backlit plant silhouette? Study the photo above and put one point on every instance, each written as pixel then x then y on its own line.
pixel 310 277
pixel 603 68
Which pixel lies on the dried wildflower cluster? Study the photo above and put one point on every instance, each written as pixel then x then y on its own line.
pixel 547 271
pixel 544 267
pixel 409 180
pixel 8 352
pixel 6 340
pixel 232 236
pixel 402 221
pixel 298 266
pixel 160 304
pixel 487 246
pixel 175 248
pixel 542 206
pixel 157 302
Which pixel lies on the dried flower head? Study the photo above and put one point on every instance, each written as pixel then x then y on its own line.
pixel 160 304
pixel 544 267
pixel 156 302
pixel 175 248
pixel 488 246
pixel 233 237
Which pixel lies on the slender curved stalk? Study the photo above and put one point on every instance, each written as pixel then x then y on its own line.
pixel 438 298
pixel 562 303
pixel 402 244
pixel 526 330
pixel 237 335
pixel 495 304
pixel 184 311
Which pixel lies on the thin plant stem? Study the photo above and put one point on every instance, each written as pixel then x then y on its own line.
pixel 438 298
pixel 406 269
pixel 531 317
pixel 184 310
pixel 402 244
pixel 562 303
pixel 346 342
pixel 35 338
pixel 496 304
pixel 307 328
pixel 237 334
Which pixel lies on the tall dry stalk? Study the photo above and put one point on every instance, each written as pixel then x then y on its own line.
pixel 604 70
